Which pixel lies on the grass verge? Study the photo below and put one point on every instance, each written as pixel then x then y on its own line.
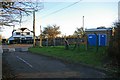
pixel 79 55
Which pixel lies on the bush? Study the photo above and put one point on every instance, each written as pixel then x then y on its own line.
pixel 114 48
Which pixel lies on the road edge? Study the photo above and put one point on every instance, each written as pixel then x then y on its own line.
pixel 82 64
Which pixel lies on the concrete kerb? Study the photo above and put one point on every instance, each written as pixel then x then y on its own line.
pixel 11 49
pixel 15 50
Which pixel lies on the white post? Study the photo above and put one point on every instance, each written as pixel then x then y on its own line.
pixel 1 51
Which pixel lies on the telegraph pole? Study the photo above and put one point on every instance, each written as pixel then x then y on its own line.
pixel 83 22
pixel 20 18
pixel 40 37
pixel 86 37
pixel 34 29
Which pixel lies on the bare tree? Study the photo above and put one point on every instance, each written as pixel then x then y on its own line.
pixel 12 12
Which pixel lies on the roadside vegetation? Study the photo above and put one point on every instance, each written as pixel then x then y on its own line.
pixel 114 49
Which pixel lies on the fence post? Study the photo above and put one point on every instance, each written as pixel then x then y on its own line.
pixel 96 42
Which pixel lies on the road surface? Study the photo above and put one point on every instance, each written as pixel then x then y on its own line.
pixel 28 65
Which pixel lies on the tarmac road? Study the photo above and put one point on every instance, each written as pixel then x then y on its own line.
pixel 28 65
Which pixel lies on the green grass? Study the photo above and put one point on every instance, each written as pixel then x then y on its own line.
pixel 0 43
pixel 79 55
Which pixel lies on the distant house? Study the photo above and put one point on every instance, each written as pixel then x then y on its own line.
pixel 100 36
pixel 21 35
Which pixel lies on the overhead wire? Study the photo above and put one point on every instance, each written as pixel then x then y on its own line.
pixel 49 9
pixel 61 9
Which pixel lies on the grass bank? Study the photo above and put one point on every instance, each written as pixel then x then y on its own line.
pixel 79 55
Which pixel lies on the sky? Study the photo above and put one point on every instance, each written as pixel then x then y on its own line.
pixel 96 14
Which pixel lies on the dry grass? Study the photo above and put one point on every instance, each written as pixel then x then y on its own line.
pixel 50 75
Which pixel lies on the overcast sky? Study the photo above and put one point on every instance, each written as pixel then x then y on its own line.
pixel 95 14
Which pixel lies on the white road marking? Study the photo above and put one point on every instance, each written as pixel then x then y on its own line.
pixel 24 61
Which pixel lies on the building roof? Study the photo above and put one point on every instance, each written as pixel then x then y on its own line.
pixel 22 30
pixel 98 29
pixel 11 38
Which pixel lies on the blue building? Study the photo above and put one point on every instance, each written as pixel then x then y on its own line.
pixel 98 36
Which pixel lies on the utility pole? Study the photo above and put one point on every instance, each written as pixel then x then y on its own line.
pixel 40 37
pixel 85 35
pixel 83 22
pixel 34 29
pixel 20 26
pixel 20 18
